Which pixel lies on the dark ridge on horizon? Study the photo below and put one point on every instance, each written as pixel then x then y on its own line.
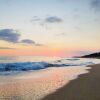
pixel 93 55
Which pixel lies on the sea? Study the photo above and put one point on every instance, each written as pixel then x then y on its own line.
pixel 17 64
pixel 34 77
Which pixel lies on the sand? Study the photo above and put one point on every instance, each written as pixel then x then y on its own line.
pixel 85 87
pixel 37 84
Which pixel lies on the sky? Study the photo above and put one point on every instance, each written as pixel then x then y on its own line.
pixel 62 28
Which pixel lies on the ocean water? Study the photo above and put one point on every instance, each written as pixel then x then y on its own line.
pixel 32 78
pixel 16 64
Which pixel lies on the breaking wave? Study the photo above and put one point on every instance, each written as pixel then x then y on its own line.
pixel 25 66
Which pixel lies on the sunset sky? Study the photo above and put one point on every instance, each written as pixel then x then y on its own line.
pixel 49 27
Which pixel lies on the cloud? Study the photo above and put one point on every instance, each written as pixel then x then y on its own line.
pixel 30 42
pixel 53 19
pixel 43 21
pixel 37 44
pixel 35 19
pixel 13 36
pixel 46 22
pixel 95 4
pixel 6 48
pixel 27 41
pixel 9 35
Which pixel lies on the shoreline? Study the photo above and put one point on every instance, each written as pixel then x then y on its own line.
pixel 85 87
pixel 36 85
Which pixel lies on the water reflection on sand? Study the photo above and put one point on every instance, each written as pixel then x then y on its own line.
pixel 35 85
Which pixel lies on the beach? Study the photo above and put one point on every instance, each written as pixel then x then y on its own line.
pixel 85 87
pixel 36 85
pixel 49 50
pixel 63 79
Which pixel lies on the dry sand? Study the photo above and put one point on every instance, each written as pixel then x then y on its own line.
pixel 85 87
pixel 37 84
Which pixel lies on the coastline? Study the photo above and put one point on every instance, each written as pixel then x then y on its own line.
pixel 38 84
pixel 85 87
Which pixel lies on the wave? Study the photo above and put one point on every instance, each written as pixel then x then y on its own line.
pixel 25 66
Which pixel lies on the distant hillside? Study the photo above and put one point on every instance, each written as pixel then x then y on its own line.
pixel 93 55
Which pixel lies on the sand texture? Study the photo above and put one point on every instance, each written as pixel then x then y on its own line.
pixel 86 87
pixel 37 84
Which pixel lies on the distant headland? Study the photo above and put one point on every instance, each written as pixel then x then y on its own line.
pixel 93 55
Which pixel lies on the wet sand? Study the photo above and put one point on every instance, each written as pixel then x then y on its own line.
pixel 37 84
pixel 85 87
